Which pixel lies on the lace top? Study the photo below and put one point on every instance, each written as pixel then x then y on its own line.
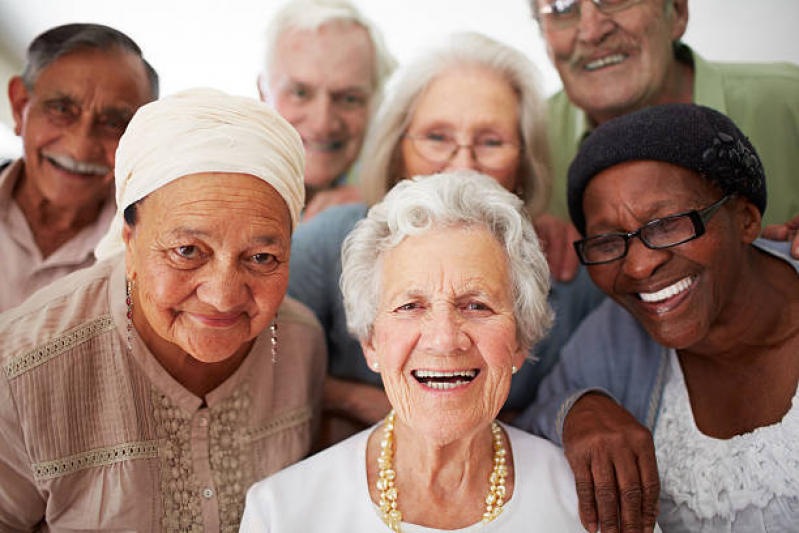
pixel 747 483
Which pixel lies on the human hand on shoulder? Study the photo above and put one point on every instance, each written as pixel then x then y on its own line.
pixel 613 459
pixel 346 194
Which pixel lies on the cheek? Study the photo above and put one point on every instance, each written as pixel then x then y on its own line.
pixel 355 122
pixel 268 295
pixel 164 288
pixel 288 110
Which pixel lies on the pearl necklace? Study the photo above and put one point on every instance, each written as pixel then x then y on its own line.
pixel 495 500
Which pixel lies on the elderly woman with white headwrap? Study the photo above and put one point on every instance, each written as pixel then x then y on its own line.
pixel 148 392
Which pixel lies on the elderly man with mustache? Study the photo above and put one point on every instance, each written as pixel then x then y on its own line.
pixel 80 87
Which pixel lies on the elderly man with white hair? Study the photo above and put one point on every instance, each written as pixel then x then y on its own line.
pixel 325 68
pixel 147 393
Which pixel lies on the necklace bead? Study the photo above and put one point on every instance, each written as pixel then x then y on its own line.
pixel 392 516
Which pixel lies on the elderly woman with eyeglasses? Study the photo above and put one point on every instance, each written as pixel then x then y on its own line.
pixel 700 340
pixel 446 287
pixel 468 103
pixel 148 392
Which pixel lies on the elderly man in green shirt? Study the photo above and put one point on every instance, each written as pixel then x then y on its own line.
pixel 616 57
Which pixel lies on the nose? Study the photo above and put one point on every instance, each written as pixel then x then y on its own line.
pixel 322 117
pixel 594 25
pixel 224 287
pixel 463 159
pixel 443 334
pixel 640 261
pixel 82 142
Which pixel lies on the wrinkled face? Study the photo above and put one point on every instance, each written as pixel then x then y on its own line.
pixel 613 64
pixel 688 287
pixel 471 105
pixel 321 81
pixel 209 258
pixel 445 333
pixel 71 122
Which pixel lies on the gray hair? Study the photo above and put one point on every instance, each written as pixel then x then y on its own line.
pixel 312 15
pixel 380 158
pixel 56 42
pixel 461 198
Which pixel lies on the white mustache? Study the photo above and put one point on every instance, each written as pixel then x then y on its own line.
pixel 78 167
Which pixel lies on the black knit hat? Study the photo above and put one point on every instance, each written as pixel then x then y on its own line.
pixel 691 136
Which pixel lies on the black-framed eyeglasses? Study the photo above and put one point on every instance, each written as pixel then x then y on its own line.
pixel 661 233
pixel 562 14
pixel 490 153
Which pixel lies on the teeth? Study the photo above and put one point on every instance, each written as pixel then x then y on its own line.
pixel 324 146
pixel 668 292
pixel 443 385
pixel 78 167
pixel 421 374
pixel 604 61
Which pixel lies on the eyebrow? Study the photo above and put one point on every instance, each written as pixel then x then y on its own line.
pixel 191 232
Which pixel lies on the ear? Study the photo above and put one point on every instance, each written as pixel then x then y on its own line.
pixel 519 357
pixel 263 90
pixel 369 352
pixel 130 252
pixel 679 18
pixel 749 220
pixel 19 97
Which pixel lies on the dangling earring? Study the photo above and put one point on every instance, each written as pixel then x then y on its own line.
pixel 129 302
pixel 513 370
pixel 375 366
pixel 273 328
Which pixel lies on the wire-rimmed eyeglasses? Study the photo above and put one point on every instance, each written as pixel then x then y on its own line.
pixel 661 233
pixel 489 153
pixel 565 13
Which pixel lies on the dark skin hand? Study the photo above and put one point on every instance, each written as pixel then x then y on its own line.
pixel 613 459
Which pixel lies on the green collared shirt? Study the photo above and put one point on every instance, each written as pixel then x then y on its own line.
pixel 761 98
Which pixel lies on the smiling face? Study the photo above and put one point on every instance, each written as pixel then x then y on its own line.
pixel 321 81
pixel 471 105
pixel 678 294
pixel 209 257
pixel 445 333
pixel 71 122
pixel 613 64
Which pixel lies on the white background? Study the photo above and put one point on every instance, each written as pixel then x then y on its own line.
pixel 219 43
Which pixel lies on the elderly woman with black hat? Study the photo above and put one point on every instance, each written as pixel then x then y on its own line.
pixel 147 392
pixel 699 340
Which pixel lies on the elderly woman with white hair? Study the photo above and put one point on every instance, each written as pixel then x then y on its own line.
pixel 446 287
pixel 148 392
pixel 470 102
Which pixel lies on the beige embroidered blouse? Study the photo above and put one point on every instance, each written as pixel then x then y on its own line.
pixel 95 438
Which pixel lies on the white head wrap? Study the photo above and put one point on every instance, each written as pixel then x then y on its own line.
pixel 199 131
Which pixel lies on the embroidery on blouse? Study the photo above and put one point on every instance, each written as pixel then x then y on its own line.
pixel 179 487
pixel 281 423
pixel 717 477
pixel 92 458
pixel 63 343
pixel 228 442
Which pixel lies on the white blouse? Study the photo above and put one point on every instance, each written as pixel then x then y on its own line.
pixel 329 492
pixel 749 483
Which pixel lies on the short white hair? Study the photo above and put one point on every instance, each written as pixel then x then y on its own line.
pixel 312 15
pixel 461 198
pixel 380 158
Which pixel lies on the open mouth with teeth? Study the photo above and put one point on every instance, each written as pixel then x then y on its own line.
pixel 74 167
pixel 667 292
pixel 444 380
pixel 331 146
pixel 612 59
